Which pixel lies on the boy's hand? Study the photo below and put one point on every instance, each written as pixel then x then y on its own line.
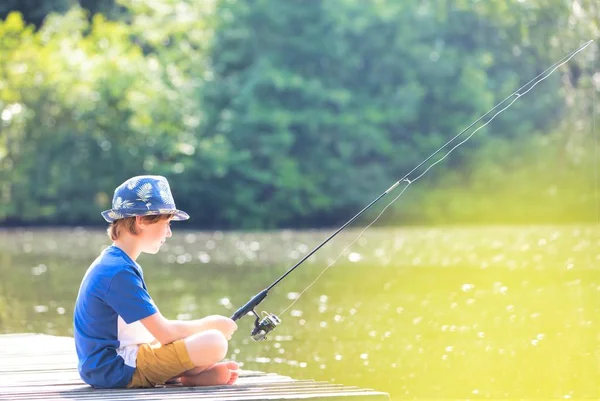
pixel 222 323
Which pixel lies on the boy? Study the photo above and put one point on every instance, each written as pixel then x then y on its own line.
pixel 122 339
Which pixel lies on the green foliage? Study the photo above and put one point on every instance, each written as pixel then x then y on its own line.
pixel 34 11
pixel 265 113
pixel 70 136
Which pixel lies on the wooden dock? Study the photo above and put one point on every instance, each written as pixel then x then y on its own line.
pixel 42 367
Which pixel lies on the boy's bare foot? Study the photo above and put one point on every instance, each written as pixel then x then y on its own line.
pixel 218 374
pixel 233 368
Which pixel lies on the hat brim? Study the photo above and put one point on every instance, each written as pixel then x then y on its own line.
pixel 111 215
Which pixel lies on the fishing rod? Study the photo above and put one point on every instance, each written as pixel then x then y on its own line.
pixel 266 324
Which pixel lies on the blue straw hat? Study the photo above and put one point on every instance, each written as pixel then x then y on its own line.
pixel 144 195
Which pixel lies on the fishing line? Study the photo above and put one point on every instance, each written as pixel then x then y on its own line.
pixel 270 321
pixel 596 159
pixel 346 248
pixel 517 95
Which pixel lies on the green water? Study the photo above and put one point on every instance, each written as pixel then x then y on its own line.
pixel 480 312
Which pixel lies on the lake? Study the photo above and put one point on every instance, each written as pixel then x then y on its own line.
pixel 419 312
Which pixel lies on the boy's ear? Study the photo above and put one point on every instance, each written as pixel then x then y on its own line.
pixel 139 222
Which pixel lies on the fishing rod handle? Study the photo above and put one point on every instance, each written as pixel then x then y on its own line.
pixel 250 305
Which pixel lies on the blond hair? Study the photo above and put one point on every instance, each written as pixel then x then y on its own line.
pixel 115 228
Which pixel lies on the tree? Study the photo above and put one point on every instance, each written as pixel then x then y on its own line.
pixel 35 11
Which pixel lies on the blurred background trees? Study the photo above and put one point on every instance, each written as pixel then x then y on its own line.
pixel 269 113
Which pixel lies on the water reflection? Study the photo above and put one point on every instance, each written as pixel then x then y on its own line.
pixel 492 312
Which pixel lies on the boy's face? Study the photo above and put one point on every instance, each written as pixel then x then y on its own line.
pixel 153 235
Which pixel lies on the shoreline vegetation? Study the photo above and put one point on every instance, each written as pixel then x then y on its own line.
pixel 268 114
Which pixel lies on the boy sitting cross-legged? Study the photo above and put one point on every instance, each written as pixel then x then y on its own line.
pixel 121 338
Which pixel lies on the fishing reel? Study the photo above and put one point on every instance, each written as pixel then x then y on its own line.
pixel 264 326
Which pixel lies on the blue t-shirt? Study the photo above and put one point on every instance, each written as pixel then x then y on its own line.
pixel 113 288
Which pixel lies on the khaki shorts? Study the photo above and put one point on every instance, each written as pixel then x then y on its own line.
pixel 158 363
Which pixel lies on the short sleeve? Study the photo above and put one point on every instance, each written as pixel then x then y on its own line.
pixel 128 296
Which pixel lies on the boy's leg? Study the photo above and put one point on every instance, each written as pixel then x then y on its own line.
pixel 198 353
pixel 206 350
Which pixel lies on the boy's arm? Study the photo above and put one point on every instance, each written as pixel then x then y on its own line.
pixel 166 331
pixel 213 322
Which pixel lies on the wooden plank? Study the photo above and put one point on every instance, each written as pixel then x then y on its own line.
pixel 231 393
pixel 42 367
pixel 34 379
